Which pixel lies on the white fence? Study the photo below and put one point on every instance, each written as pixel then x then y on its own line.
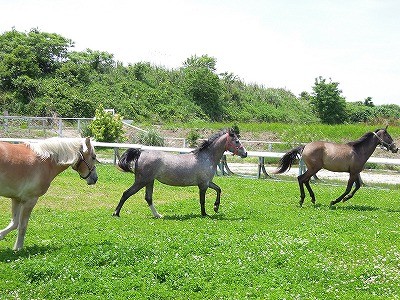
pixel 57 126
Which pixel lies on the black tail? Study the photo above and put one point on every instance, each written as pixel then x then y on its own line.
pixel 128 158
pixel 286 161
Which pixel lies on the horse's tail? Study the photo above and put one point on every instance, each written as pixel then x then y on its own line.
pixel 128 158
pixel 286 161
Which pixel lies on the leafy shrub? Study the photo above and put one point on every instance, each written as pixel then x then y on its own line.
pixel 151 138
pixel 192 138
pixel 106 127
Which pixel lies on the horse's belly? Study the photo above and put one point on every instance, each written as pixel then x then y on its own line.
pixel 185 177
pixel 21 188
pixel 336 167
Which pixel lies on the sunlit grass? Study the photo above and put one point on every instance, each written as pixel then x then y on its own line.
pixel 260 245
pixel 290 133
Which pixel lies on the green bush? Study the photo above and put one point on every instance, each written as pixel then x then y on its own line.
pixel 192 138
pixel 106 127
pixel 151 138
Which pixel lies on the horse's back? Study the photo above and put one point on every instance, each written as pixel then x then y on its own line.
pixel 327 155
pixel 15 154
pixel 20 170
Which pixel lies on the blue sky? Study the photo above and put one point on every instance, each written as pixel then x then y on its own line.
pixel 280 44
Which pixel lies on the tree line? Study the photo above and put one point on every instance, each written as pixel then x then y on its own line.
pixel 41 75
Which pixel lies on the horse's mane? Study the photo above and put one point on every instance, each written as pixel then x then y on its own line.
pixel 362 139
pixel 62 151
pixel 207 143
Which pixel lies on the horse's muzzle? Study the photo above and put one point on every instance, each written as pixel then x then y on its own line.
pixel 92 179
pixel 243 155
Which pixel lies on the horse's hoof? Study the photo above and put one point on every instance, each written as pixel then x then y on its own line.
pixel 216 207
pixel 115 214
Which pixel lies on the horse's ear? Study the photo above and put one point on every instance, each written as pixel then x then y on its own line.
pixel 231 132
pixel 87 142
pixel 386 127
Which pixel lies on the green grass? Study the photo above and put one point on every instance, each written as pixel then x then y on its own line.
pixel 260 245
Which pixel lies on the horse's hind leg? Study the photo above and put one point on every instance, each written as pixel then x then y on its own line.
pixel 149 199
pixel 310 191
pixel 15 209
pixel 218 190
pixel 129 192
pixel 304 179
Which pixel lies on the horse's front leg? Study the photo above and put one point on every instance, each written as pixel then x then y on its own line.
pixel 358 185
pixel 15 209
pixel 24 214
pixel 218 190
pixel 346 192
pixel 202 191
pixel 149 199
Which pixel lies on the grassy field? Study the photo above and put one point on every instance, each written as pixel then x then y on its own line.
pixel 260 245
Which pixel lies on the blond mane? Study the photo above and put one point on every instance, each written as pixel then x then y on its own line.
pixel 62 151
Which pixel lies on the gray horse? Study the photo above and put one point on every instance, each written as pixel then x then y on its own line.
pixel 196 168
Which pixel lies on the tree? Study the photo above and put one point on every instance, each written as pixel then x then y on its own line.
pixel 203 61
pixel 203 86
pixel 327 102
pixel 368 102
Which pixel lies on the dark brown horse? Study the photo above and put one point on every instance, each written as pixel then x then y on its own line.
pixel 196 168
pixel 350 157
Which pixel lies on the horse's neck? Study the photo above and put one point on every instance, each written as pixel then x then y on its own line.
pixel 55 169
pixel 217 149
pixel 368 147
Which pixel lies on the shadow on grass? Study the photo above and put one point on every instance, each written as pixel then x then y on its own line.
pixel 356 207
pixel 8 255
pixel 197 216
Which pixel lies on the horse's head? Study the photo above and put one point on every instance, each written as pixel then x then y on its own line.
pixel 385 140
pixel 85 164
pixel 234 145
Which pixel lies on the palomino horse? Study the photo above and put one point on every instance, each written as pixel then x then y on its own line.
pixel 26 171
pixel 196 168
pixel 350 157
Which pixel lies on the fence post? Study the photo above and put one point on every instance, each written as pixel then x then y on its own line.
pixel 79 125
pixel 60 127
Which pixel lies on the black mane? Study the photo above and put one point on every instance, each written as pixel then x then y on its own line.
pixel 206 144
pixel 362 139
